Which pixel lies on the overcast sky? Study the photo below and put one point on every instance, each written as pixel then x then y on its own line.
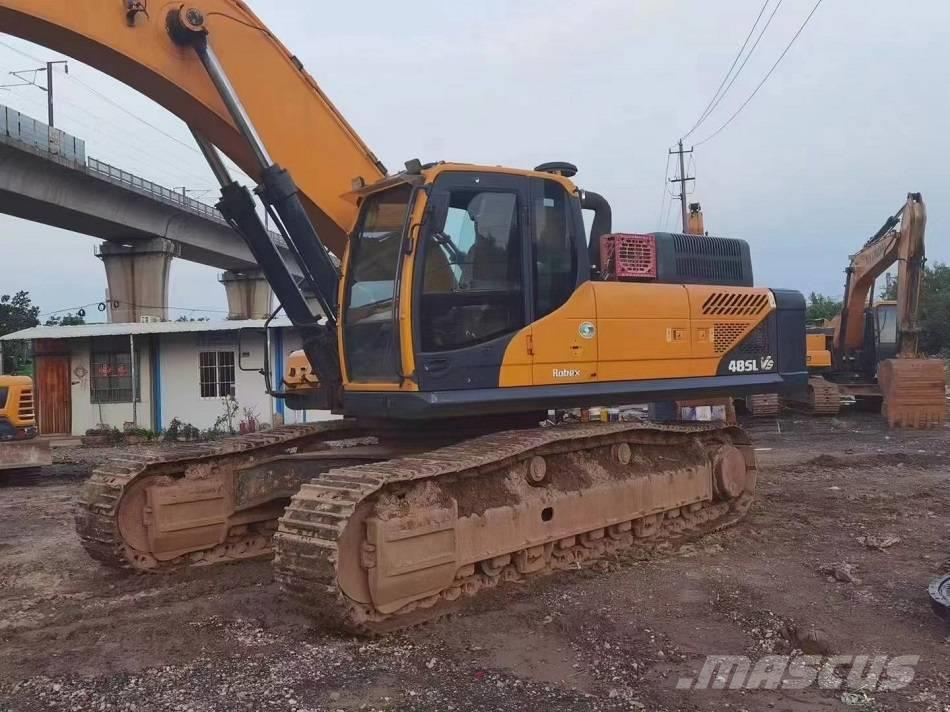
pixel 852 119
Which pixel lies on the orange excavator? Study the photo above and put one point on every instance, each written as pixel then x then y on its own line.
pixel 870 351
pixel 467 301
pixel 20 450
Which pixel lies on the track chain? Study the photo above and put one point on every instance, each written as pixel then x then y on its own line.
pixel 821 397
pixel 764 405
pixel 97 511
pixel 825 397
pixel 307 543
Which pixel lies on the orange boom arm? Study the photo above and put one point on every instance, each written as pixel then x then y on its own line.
pixel 301 128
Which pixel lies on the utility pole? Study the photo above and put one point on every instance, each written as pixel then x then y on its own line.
pixel 31 82
pixel 682 181
pixel 49 93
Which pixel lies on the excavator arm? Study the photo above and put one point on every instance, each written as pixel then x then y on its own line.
pixel 901 240
pixel 913 388
pixel 214 64
pixel 910 274
pixel 302 130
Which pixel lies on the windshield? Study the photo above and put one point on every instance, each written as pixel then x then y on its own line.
pixel 369 338
pixel 887 323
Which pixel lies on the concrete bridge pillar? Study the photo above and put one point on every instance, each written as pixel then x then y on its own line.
pixel 137 273
pixel 249 294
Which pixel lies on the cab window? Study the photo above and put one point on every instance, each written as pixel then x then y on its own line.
pixel 887 324
pixel 472 288
pixel 369 336
pixel 554 250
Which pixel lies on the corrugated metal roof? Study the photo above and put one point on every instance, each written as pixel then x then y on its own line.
pixel 86 331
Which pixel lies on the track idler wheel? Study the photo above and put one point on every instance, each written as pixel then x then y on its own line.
pixel 940 596
pixel 731 472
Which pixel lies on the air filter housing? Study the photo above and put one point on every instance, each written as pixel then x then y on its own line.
pixel 628 257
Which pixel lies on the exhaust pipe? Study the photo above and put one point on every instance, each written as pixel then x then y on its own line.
pixel 602 225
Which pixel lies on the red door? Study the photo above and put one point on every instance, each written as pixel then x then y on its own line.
pixel 54 391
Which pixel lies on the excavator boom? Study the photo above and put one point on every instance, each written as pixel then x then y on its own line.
pixel 912 388
pixel 901 240
pixel 129 40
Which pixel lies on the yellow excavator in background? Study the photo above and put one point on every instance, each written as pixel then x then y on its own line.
pixel 20 450
pixel 870 351
pixel 470 302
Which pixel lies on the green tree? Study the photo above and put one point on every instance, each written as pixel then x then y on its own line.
pixel 17 312
pixel 934 307
pixel 66 320
pixel 821 307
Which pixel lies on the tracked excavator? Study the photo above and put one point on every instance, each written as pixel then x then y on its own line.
pixel 469 302
pixel 869 352
pixel 20 449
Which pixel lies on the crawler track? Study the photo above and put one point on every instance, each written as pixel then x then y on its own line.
pixel 323 547
pixel 821 397
pixel 102 497
pixel 764 405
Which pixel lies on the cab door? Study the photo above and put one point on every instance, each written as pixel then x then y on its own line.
pixel 563 332
pixel 471 280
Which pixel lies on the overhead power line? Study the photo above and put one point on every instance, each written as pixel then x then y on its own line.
pixel 710 106
pixel 190 146
pixel 20 52
pixel 101 306
pixel 764 79
pixel 748 56
pixel 185 144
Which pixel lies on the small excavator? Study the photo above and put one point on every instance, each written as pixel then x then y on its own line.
pixel 20 449
pixel 870 352
pixel 466 302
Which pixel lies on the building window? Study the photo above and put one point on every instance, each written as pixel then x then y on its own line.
pixel 112 377
pixel 216 373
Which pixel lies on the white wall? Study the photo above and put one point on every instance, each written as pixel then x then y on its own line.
pixel 87 415
pixel 179 384
pixel 179 379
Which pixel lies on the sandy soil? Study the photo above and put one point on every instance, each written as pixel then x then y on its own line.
pixel 74 636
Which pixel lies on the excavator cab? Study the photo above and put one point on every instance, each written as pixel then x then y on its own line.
pixel 19 447
pixel 446 268
pixel 880 338
pixel 884 329
pixel 17 419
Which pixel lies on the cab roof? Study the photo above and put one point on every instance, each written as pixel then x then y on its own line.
pixel 432 171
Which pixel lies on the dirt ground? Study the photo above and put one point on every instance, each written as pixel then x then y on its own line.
pixel 74 636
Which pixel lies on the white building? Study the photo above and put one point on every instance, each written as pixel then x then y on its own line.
pixel 86 375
